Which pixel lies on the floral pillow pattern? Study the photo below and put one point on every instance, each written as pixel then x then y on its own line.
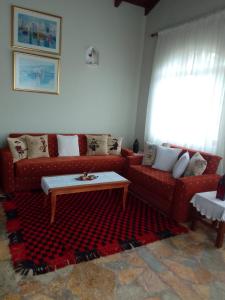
pixel 18 147
pixel 37 146
pixel 97 144
pixel 150 151
pixel 114 145
pixel 196 166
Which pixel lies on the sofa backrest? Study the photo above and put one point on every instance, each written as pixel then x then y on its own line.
pixel 212 159
pixel 52 141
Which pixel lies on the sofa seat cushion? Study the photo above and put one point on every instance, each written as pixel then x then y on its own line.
pixel 158 182
pixel 66 165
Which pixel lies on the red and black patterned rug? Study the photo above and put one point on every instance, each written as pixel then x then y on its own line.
pixel 87 226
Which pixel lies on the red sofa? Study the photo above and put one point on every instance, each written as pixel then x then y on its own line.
pixel 26 174
pixel 169 195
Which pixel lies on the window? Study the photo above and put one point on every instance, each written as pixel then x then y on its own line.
pixel 186 98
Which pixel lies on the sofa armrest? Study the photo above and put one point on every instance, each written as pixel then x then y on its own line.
pixel 134 160
pixel 185 189
pixel 7 170
pixel 126 152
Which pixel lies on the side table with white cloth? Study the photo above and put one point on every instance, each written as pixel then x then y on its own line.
pixel 207 206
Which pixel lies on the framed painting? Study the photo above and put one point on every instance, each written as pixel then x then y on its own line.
pixel 35 30
pixel 35 73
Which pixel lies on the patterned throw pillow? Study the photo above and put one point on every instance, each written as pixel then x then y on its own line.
pixel 149 154
pixel 196 166
pixel 18 147
pixel 114 145
pixel 97 144
pixel 37 146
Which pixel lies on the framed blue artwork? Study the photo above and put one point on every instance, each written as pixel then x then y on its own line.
pixel 35 30
pixel 35 73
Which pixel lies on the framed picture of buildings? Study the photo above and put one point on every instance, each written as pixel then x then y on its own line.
pixel 35 73
pixel 35 30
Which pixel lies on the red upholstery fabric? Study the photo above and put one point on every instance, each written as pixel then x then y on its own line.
pixel 27 183
pixel 171 196
pixel 126 152
pixel 6 170
pixel 135 160
pixel 52 141
pixel 31 171
pixel 26 174
pixel 150 198
pixel 53 148
pixel 185 189
pixel 158 182
pixel 212 159
pixel 66 165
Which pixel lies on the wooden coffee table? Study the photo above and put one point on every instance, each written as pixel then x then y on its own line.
pixel 67 184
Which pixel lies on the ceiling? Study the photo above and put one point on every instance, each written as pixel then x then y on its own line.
pixel 147 4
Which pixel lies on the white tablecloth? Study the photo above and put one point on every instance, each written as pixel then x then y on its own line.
pixel 48 183
pixel 207 204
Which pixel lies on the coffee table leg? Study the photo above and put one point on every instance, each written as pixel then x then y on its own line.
pixel 125 190
pixel 220 235
pixel 53 207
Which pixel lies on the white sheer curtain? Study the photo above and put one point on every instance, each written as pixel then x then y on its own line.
pixel 186 99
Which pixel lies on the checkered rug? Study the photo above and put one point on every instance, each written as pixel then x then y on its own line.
pixel 87 226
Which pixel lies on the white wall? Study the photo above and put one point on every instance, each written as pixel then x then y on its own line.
pixel 92 99
pixel 167 13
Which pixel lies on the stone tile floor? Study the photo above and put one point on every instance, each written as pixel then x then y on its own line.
pixel 183 267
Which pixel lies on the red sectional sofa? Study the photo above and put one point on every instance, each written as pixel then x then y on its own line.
pixel 169 195
pixel 26 174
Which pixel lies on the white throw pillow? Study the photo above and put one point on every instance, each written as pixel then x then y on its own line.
pixel 166 158
pixel 68 145
pixel 181 165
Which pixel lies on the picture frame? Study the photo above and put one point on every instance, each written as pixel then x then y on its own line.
pixel 36 30
pixel 35 73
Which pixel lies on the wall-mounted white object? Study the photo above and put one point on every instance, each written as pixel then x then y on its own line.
pixel 91 56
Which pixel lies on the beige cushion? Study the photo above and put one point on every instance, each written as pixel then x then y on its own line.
pixel 97 144
pixel 18 147
pixel 37 146
pixel 114 145
pixel 196 166
pixel 149 154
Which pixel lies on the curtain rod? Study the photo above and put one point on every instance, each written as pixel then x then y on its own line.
pixel 156 33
